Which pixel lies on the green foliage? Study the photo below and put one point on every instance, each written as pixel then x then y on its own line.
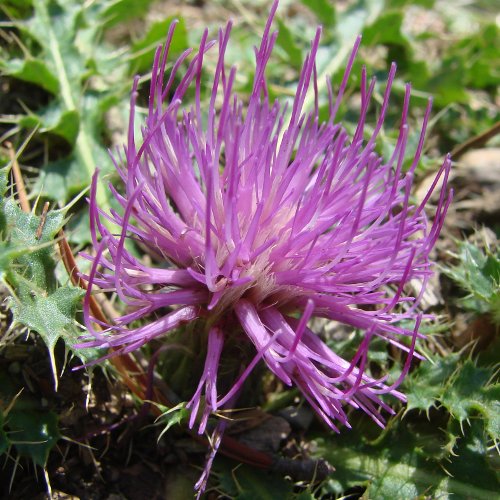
pixel 462 388
pixel 25 424
pixel 288 43
pixel 33 71
pixel 17 8
pixel 442 446
pixel 33 434
pixel 324 10
pixel 471 393
pixel 247 483
pixel 53 119
pixel 387 30
pixel 172 416
pixel 477 55
pixel 407 461
pixel 27 267
pixel 61 55
pixel 120 11
pixel 28 262
pixel 427 384
pixel 404 3
pixel 143 50
pixel 478 273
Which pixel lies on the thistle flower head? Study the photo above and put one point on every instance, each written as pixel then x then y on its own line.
pixel 259 217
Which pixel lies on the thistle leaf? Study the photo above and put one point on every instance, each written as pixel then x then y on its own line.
pixel 407 462
pixel 55 120
pixel 34 433
pixel 245 483
pixel 27 265
pixel 32 70
pixel 61 61
pixel 427 384
pixel 471 392
pixel 478 273
pixel 52 317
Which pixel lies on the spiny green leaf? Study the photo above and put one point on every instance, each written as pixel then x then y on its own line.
pixel 246 483
pixel 426 385
pixel 462 388
pixel 33 433
pixel 23 226
pixel 478 273
pixel 473 465
pixel 35 262
pixel 172 416
pixel 27 265
pixel 471 392
pixel 50 316
pixel 406 463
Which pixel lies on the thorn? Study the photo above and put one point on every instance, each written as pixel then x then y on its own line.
pixel 16 465
pixel 53 367
pixel 47 482
pixel 12 403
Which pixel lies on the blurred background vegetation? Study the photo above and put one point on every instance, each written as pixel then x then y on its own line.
pixel 65 75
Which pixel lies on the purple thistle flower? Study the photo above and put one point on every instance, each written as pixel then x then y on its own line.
pixel 260 213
